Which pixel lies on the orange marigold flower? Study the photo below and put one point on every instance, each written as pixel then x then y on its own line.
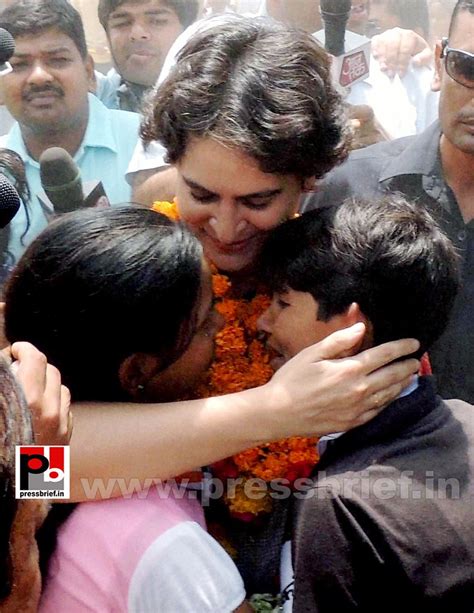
pixel 256 308
pixel 220 285
pixel 229 340
pixel 247 459
pixel 228 309
pixel 258 353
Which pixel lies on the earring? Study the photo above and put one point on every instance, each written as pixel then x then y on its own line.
pixel 140 389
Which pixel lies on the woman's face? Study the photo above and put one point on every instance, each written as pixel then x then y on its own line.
pixel 230 203
pixel 185 373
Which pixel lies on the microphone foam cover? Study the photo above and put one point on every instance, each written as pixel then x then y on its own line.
pixel 9 201
pixel 57 167
pixel 7 45
pixel 336 7
pixel 61 180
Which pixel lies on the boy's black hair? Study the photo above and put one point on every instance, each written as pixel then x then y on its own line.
pixel 388 255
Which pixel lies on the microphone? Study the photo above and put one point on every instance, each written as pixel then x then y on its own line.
pixel 350 51
pixel 7 49
pixel 335 14
pixel 9 202
pixel 62 184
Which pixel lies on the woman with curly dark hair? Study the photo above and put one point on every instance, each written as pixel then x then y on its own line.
pixel 250 120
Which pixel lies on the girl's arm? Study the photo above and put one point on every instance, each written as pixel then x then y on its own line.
pixel 118 446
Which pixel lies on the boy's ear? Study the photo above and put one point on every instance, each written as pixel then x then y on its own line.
pixel 354 315
pixel 135 372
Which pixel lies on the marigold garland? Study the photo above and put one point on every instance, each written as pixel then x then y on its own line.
pixel 242 362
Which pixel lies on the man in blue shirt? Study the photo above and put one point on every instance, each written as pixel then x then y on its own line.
pixel 48 94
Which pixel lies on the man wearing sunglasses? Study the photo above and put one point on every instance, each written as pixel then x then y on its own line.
pixel 436 170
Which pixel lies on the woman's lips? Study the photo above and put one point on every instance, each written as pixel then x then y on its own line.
pixel 231 248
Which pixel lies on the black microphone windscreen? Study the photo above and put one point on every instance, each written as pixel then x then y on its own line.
pixel 335 14
pixel 61 180
pixel 9 201
pixel 336 7
pixel 7 45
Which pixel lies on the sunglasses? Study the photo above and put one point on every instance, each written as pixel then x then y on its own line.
pixel 459 64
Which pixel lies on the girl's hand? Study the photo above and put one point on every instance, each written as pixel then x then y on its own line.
pixel 48 400
pixel 326 389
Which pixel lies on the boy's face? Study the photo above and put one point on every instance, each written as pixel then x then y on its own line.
pixel 291 324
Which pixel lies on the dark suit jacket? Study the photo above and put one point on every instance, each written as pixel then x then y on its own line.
pixel 389 523
pixel 412 166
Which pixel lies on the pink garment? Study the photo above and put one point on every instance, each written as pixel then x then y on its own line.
pixel 100 546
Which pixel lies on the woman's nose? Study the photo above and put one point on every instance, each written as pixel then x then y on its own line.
pixel 227 224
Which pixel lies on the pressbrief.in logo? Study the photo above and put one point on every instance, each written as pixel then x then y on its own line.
pixel 42 472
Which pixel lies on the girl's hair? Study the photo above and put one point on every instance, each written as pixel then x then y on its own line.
pixel 15 429
pixel 99 285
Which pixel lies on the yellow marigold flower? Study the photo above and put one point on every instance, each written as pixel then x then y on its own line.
pixel 240 503
pixel 170 209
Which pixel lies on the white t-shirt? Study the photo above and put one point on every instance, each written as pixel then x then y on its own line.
pixel 149 553
pixel 185 570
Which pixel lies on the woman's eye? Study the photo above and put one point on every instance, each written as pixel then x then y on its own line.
pixel 203 198
pixel 256 204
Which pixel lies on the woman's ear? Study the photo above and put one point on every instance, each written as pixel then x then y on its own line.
pixel 135 372
pixel 309 184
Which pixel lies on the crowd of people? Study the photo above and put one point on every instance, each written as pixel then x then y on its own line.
pixel 251 239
